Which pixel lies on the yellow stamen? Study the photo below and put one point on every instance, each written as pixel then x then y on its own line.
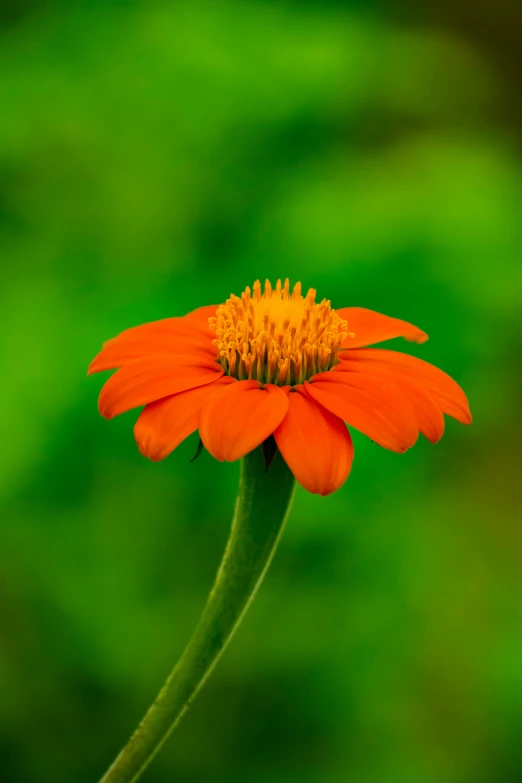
pixel 275 336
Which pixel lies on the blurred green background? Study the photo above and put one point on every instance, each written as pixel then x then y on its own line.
pixel 155 157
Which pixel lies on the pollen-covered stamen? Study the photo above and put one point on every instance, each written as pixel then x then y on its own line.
pixel 276 336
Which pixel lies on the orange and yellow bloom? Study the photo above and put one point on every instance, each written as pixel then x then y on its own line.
pixel 272 362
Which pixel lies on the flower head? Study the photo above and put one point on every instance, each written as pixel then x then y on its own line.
pixel 277 363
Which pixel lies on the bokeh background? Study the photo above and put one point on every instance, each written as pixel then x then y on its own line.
pixel 155 156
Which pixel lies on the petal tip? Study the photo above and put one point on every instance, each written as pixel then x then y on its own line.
pixel 420 338
pixel 417 336
pixel 148 448
pixel 100 364
pixel 463 415
pixel 104 408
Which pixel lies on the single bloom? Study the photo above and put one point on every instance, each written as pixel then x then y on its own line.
pixel 275 363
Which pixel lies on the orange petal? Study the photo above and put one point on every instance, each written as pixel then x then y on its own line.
pixel 428 414
pixel 189 335
pixel 315 444
pixel 370 404
pixel 237 419
pixel 150 379
pixel 194 324
pixel 163 424
pixel 430 419
pixel 445 392
pixel 369 327
pixel 202 314
pixel 117 353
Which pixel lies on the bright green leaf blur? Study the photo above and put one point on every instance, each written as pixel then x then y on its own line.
pixel 155 157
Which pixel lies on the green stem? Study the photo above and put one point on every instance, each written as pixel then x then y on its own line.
pixel 262 506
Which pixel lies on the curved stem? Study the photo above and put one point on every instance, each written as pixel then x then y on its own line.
pixel 262 506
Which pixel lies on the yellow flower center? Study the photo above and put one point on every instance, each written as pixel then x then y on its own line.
pixel 276 336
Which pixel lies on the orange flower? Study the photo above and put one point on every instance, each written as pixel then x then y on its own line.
pixel 277 363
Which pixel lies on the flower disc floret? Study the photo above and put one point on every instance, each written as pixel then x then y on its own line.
pixel 276 336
